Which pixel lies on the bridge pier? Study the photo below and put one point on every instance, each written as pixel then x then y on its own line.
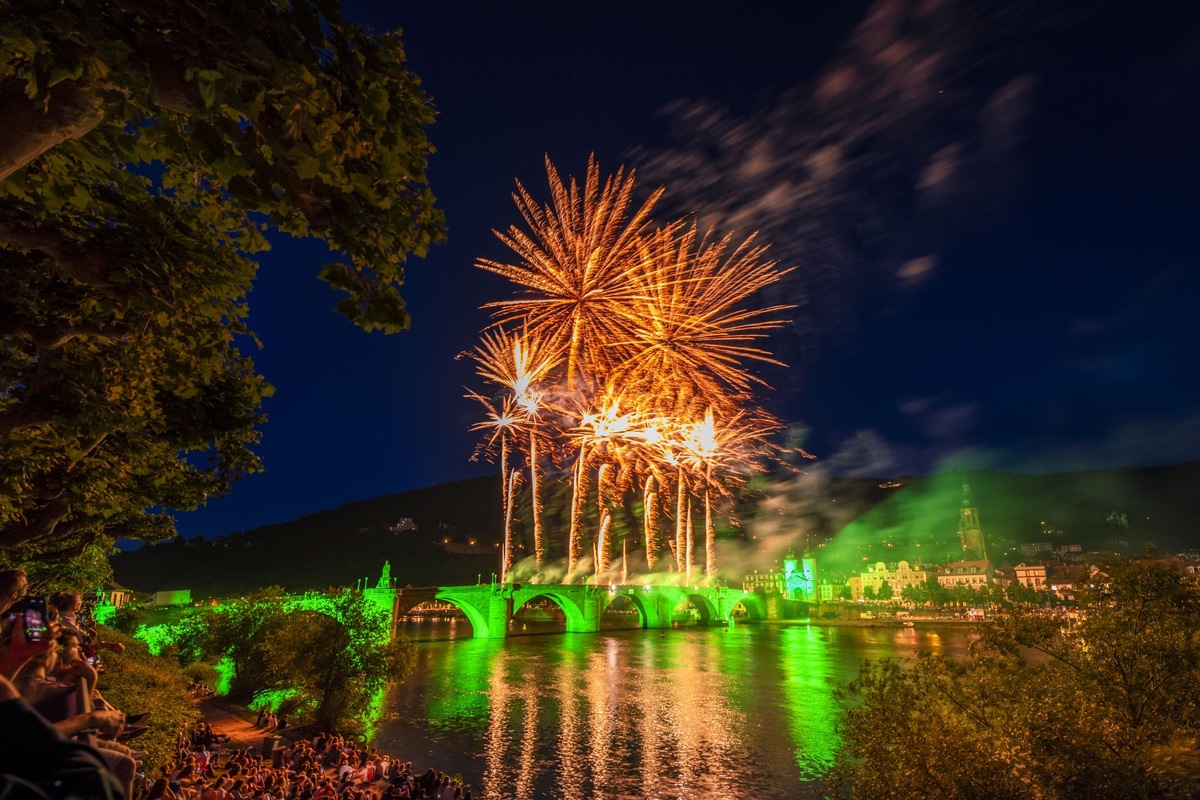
pixel 500 611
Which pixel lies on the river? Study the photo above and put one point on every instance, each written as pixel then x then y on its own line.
pixel 686 713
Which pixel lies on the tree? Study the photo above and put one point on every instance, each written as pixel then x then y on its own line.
pixel 846 593
pixel 146 147
pixel 340 662
pixel 334 656
pixel 937 593
pixel 1108 707
pixel 869 592
pixel 885 591
pixel 237 631
pixel 915 593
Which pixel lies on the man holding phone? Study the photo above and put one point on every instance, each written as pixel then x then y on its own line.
pixel 23 635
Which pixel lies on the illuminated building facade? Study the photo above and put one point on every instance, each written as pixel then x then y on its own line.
pixel 972 574
pixel 899 576
pixel 1031 576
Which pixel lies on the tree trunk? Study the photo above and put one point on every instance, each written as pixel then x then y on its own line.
pixel 30 129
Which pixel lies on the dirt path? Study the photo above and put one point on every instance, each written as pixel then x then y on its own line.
pixel 233 721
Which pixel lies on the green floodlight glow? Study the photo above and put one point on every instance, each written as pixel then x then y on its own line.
pixel 225 671
pixel 103 613
pixel 156 637
pixel 812 711
pixel 271 699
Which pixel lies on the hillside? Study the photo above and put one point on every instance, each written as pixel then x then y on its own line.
pixel 334 547
pixel 857 519
pixel 1116 510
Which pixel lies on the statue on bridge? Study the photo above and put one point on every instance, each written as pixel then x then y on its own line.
pixel 385 578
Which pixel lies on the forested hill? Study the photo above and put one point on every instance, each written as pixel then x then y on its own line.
pixel 859 519
pixel 334 547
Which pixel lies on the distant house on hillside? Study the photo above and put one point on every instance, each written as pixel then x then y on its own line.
pixel 1031 576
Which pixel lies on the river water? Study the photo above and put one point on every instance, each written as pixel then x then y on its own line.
pixel 687 713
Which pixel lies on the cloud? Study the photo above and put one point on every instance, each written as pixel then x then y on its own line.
pixel 945 425
pixel 866 172
pixel 1149 441
pixel 1139 305
pixel 916 269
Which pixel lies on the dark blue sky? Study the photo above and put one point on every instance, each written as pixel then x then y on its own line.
pixel 994 221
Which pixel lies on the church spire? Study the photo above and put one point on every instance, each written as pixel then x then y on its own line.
pixel 969 530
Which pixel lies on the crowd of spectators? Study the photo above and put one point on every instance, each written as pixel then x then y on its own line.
pixel 60 739
pixel 324 767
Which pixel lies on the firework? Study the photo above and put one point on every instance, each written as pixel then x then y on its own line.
pixel 576 262
pixel 634 357
pixel 502 422
pixel 519 363
pixel 689 335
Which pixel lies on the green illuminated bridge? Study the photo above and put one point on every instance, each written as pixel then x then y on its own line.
pixel 490 607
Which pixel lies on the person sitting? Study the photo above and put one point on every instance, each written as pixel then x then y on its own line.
pixel 68 605
pixel 37 761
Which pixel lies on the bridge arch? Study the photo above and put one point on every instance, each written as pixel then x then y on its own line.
pixel 475 616
pixel 754 603
pixel 572 613
pixel 645 605
pixel 709 613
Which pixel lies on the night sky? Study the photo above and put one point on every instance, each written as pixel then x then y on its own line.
pixel 994 218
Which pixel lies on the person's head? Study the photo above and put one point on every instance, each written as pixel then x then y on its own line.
pixel 66 602
pixel 70 647
pixel 14 583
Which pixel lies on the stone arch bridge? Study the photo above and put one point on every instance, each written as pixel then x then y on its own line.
pixel 490 607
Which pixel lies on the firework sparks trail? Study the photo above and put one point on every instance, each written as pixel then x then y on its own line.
pixel 502 422
pixel 506 562
pixel 650 521
pixel 634 356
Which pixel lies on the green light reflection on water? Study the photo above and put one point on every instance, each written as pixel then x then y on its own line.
pixel 806 660
pixel 458 693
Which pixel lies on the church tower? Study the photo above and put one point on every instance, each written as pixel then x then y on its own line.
pixel 969 530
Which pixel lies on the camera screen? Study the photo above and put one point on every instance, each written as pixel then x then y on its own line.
pixel 35 624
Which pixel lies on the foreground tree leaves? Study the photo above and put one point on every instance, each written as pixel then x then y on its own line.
pixel 146 147
pixel 1107 707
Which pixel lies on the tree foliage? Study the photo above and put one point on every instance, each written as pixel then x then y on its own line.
pixel 145 149
pixel 335 661
pixel 1108 707
pixel 339 664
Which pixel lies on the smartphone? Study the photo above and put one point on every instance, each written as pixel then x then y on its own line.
pixel 36 628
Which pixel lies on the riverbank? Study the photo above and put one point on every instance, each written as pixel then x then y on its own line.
pixel 868 623
pixel 236 722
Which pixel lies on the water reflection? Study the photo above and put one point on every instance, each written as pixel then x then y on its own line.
pixel 632 714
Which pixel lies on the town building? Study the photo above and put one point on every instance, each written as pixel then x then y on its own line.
pixel 972 574
pixel 1031 576
pixel 899 577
